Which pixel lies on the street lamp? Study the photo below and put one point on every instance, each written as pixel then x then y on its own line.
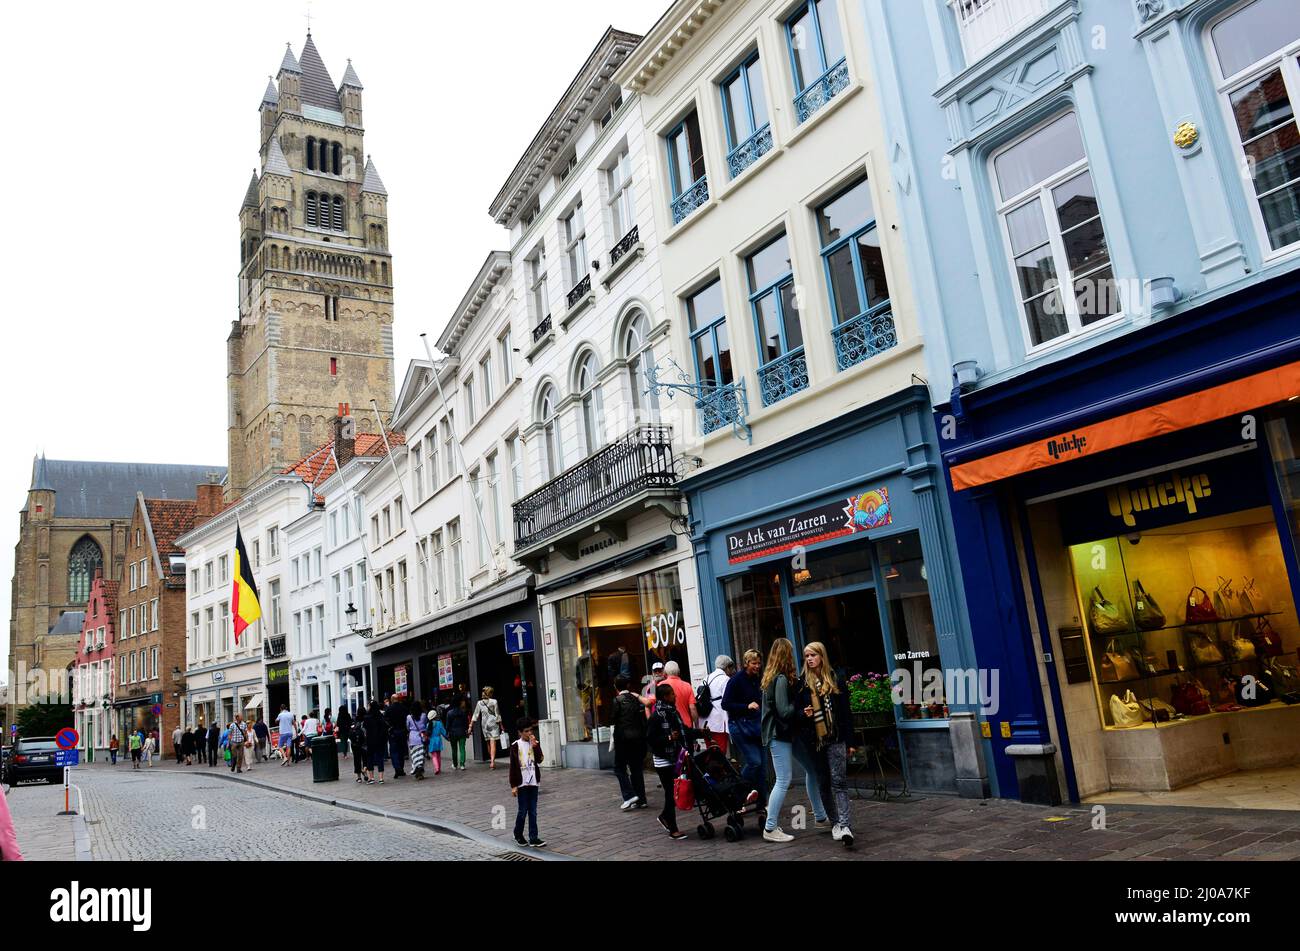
pixel 362 632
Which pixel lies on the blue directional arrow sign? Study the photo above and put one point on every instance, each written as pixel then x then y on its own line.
pixel 519 637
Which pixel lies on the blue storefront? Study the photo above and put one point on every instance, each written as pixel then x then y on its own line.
pixel 1161 467
pixel 841 535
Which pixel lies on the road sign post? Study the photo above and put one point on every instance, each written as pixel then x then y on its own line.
pixel 519 640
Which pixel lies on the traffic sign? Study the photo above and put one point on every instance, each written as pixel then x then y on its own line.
pixel 67 757
pixel 519 637
pixel 157 709
pixel 67 738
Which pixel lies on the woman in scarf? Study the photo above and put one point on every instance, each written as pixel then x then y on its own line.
pixel 828 732
pixel 781 729
pixel 417 728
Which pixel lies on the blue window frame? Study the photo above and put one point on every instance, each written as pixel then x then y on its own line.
pixel 690 187
pixel 745 115
pixel 855 275
pixel 817 58
pixel 709 341
pixel 783 367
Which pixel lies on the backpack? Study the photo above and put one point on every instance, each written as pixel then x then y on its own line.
pixel 657 734
pixel 704 700
pixel 629 720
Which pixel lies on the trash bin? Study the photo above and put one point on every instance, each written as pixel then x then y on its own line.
pixel 324 760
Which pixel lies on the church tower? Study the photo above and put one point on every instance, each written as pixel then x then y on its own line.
pixel 315 325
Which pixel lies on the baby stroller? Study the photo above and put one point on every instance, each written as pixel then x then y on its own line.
pixel 720 791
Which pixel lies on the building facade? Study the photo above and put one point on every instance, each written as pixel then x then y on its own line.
pixel 316 282
pixel 817 512
pixel 1117 229
pixel 93 683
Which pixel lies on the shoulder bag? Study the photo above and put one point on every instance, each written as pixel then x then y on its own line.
pixel 1125 711
pixel 1252 600
pixel 1223 598
pixel 1204 650
pixel 1106 617
pixel 1146 612
pixel 1199 608
pixel 1243 647
pixel 1267 641
pixel 1190 699
pixel 1117 666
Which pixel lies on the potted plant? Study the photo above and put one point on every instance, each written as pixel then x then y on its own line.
pixel 871 698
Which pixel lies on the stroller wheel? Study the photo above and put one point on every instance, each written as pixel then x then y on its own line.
pixel 705 831
pixel 732 834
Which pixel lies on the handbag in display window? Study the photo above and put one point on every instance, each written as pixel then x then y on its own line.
pixel 1251 599
pixel 1283 679
pixel 1125 711
pixel 1191 699
pixel 1242 646
pixel 1268 642
pixel 1204 650
pixel 1106 617
pixel 1116 666
pixel 1199 608
pixel 1223 601
pixel 1252 691
pixel 1145 661
pixel 1158 710
pixel 1146 612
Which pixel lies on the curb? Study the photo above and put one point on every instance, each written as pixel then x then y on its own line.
pixel 81 838
pixel 447 826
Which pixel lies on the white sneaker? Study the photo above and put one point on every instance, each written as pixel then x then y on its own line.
pixel 628 804
pixel 777 835
pixel 838 832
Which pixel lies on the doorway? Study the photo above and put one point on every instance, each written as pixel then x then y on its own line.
pixel 848 623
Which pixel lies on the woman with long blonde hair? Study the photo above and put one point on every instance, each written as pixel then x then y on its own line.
pixel 827 734
pixel 781 716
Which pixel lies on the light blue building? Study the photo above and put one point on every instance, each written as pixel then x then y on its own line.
pixel 1101 205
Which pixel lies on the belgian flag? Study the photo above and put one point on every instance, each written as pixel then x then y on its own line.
pixel 244 602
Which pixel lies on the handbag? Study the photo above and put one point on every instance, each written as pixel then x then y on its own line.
pixel 1204 651
pixel 1146 612
pixel 1252 599
pixel 1145 661
pixel 1223 598
pixel 1157 710
pixel 1282 679
pixel 1251 691
pixel 1117 666
pixel 1106 617
pixel 1125 711
pixel 1243 648
pixel 1200 610
pixel 1190 699
pixel 1268 642
pixel 683 788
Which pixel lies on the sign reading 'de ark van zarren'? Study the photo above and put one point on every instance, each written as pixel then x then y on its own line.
pixel 859 513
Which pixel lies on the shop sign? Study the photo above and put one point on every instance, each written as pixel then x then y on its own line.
pixel 446 677
pixel 277 673
pixel 665 630
pixel 1183 494
pixel 401 674
pixel 218 676
pixel 440 639
pixel 859 513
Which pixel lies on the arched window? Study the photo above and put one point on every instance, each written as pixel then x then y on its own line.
pixel 338 213
pixel 311 153
pixel 337 156
pixel 312 218
pixel 640 357
pixel 324 156
pixel 83 561
pixel 552 445
pixel 304 435
pixel 584 380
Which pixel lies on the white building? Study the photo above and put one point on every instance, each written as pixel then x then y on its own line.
pixel 602 524
pixel 303 581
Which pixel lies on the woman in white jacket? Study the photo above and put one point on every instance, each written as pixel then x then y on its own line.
pixel 487 711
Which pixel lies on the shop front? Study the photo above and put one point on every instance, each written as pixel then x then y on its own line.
pixel 839 536
pixel 1141 537
pixel 215 696
pixel 139 710
pixel 277 688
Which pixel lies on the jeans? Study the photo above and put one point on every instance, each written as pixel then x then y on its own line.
pixel 629 767
pixel 749 749
pixel 112 754
pixel 784 754
pixel 397 753
pixel 833 778
pixel 457 752
pixel 668 815
pixel 527 807
pixel 212 754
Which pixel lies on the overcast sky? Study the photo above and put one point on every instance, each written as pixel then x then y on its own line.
pixel 133 129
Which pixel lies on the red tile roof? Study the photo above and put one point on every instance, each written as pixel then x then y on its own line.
pixel 317 466
pixel 170 518
pixel 110 597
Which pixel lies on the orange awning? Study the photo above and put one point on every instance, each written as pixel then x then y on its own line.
pixel 1217 402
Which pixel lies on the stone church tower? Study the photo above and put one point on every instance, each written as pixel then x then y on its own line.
pixel 315 325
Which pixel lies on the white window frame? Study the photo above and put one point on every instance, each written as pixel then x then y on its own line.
pixel 1284 58
pixel 539 298
pixel 471 410
pixel 574 232
pixel 485 372
pixel 618 180
pixel 507 360
pixel 1042 191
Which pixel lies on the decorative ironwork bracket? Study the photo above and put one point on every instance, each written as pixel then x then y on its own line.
pixel 723 404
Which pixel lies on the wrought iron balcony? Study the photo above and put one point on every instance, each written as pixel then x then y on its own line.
pixel 542 329
pixel 864 336
pixel 580 290
pixel 275 646
pixel 625 244
pixel 784 376
pixel 609 487
pixel 722 406
pixel 689 200
pixel 832 82
pixel 750 151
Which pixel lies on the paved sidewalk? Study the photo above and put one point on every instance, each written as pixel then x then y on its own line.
pixel 580 818
pixel 43 836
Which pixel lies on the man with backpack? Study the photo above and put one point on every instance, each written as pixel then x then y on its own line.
pixel 683 695
pixel 629 745
pixel 708 701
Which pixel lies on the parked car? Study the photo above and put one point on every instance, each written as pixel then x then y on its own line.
pixel 33 758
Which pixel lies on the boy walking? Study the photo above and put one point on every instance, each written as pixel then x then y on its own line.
pixel 525 778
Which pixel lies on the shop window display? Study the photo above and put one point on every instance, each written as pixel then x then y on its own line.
pixel 1187 620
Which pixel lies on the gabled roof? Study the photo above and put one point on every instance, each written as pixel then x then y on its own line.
pixel 169 519
pixel 251 199
pixel 318 465
pixel 290 62
pixel 350 78
pixel 276 163
pixel 418 374
pixel 108 489
pixel 272 95
pixel 317 88
pixel 373 183
pixel 110 589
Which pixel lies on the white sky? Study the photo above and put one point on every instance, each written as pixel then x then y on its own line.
pixel 136 129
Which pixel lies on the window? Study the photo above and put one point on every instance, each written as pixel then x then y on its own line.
pixel 744 115
pixel 121 669
pixel 403 609
pixel 439 571
pixel 771 298
pixel 686 176
pixel 84 559
pixel 422 573
pixel 816 56
pixel 457 561
pixel 134 585
pixel 709 342
pixel 225 630
pixel 640 357
pixel 468 386
pixel 855 275
pixel 317 571
pixel 399 519
pixel 516 455
pixel 1256 49
pixel 574 230
pixel 194 635
pixel 987 24
pixel 417 471
pixel 334 524
pixel 345 521
pixel 448 444
pixel 621 211
pixel 507 360
pixel 208 620
pixel 388 521
pixel 538 301
pixel 612 109
pixel 431 446
pixel 311 153
pixel 375 537
pixel 485 374
pixel 134 678
pixel 297 632
pixel 121 625
pixel 153 615
pixel 273 542
pixel 390 604
pixel 153 665
pixel 311 212
pixel 194 580
pixel 224 572
pixel 494 493
pixel 257 553
pixel 275 607
pixel 320 627
pixel 208 583
pixel 144 572
pixel 334 366
pixel 552 444
pixel 589 395
pixel 480 517
pixel 1054 234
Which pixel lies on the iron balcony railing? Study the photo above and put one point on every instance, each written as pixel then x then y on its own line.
pixel 274 647
pixel 750 151
pixel 784 376
pixel 689 200
pixel 864 336
pixel 723 405
pixel 580 290
pixel 625 244
pixel 831 83
pixel 640 461
pixel 542 329
pixel 986 24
